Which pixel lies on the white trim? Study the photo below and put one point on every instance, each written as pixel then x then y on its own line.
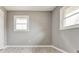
pixel 3 47
pixel 29 45
pixel 73 12
pixel 61 18
pixel 60 50
pixel 62 27
pixel 25 16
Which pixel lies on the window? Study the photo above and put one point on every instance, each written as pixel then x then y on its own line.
pixel 69 17
pixel 21 23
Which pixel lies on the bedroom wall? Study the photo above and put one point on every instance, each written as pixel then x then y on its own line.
pixel 67 40
pixel 39 26
pixel 3 32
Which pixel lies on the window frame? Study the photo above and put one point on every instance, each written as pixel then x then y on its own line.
pixel 62 27
pixel 16 16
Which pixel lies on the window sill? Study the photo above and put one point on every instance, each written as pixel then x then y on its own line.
pixel 70 27
pixel 21 30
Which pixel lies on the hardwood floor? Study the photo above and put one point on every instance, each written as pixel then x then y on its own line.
pixel 29 50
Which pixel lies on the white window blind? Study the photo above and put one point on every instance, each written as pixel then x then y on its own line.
pixel 71 16
pixel 21 22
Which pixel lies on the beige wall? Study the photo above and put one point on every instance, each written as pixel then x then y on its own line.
pixel 40 29
pixel 3 32
pixel 68 39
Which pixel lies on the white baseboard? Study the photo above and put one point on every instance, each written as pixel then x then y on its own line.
pixel 3 47
pixel 60 50
pixel 29 45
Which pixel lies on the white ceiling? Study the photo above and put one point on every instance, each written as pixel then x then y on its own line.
pixel 29 8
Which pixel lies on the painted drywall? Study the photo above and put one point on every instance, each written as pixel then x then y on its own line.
pixel 39 29
pixel 67 40
pixel 3 32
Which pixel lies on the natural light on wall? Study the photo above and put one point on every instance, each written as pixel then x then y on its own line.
pixel 70 17
pixel 21 23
